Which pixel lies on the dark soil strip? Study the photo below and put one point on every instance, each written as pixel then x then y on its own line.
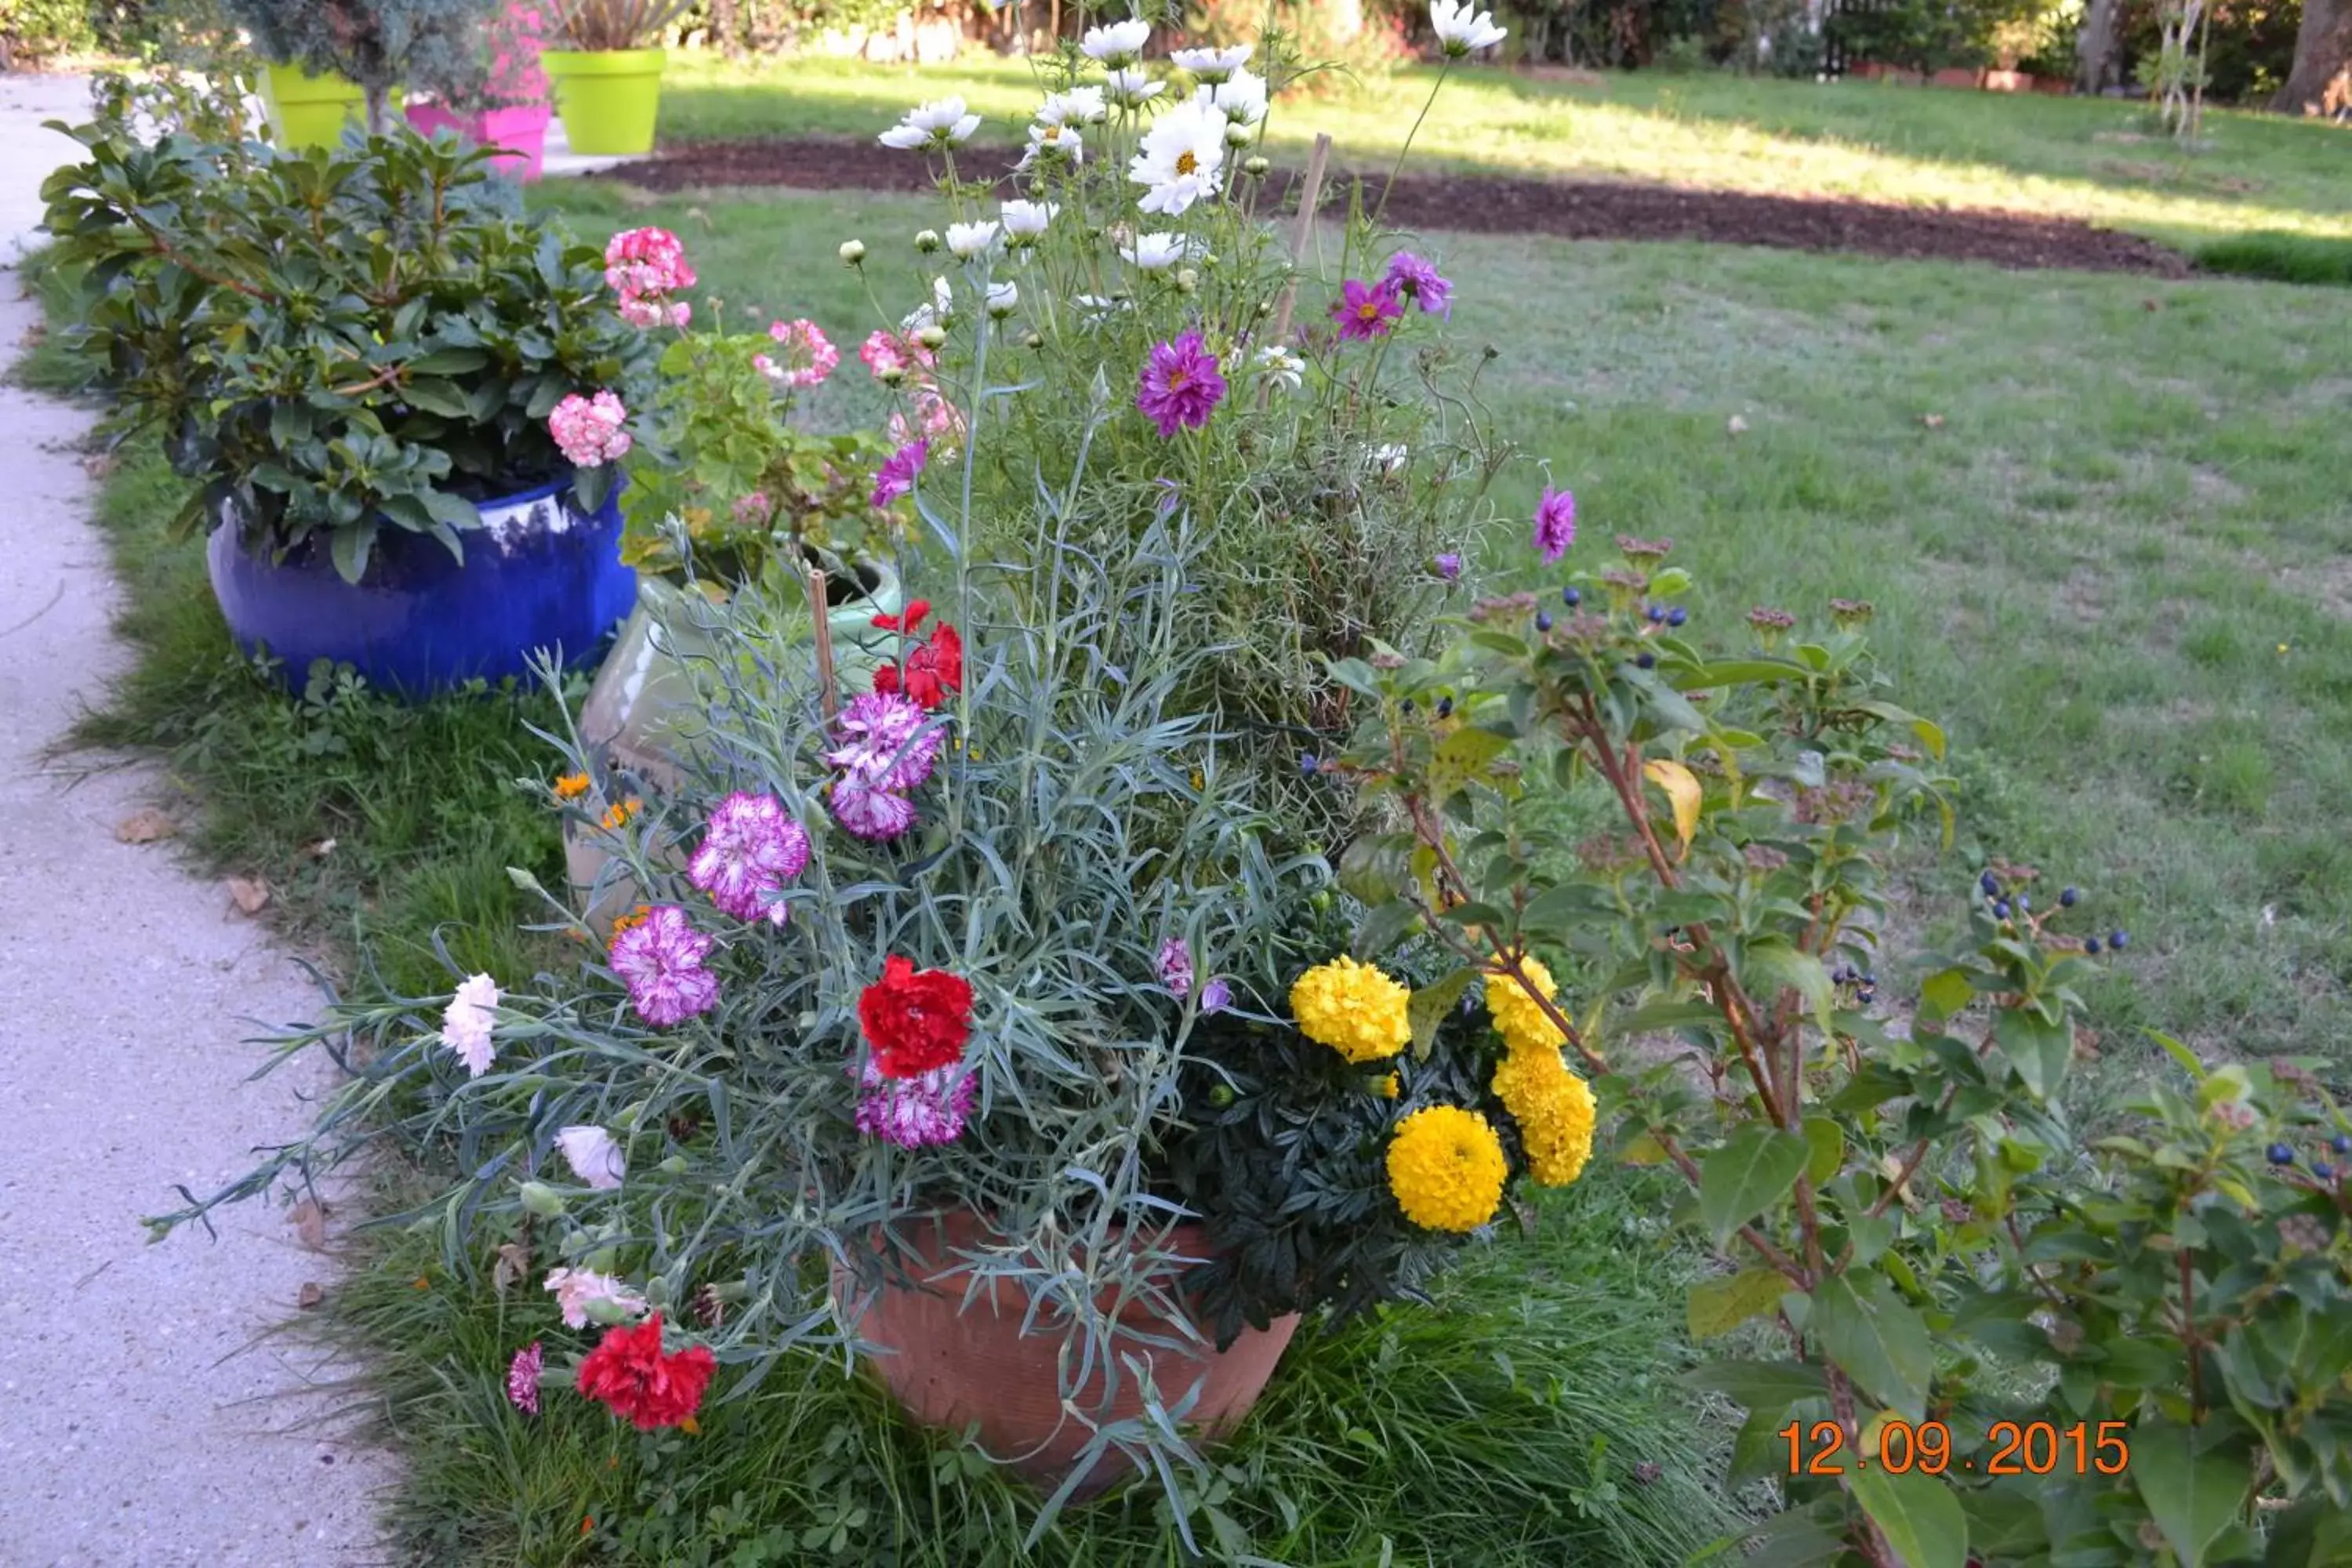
pixel 1488 204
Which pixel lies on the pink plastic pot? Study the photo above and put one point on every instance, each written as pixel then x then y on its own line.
pixel 520 132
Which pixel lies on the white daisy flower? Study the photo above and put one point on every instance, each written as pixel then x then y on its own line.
pixel 1242 101
pixel 942 122
pixel 1279 366
pixel 1025 221
pixel 968 241
pixel 1461 32
pixel 1052 141
pixel 1118 43
pixel 1003 298
pixel 593 1156
pixel 1130 88
pixel 1213 66
pixel 1183 154
pixel 1079 106
pixel 1157 252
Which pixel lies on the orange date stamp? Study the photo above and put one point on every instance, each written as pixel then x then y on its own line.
pixel 2009 1449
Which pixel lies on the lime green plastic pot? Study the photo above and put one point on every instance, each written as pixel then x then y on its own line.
pixel 608 99
pixel 310 110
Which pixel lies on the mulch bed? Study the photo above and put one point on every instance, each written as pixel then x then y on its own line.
pixel 1490 204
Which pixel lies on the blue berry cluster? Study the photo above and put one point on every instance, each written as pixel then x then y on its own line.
pixel 2004 904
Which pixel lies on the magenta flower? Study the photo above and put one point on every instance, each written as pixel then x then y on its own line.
pixel 1216 997
pixel 1555 524
pixel 1449 566
pixel 522 1379
pixel 896 477
pixel 589 431
pixel 1366 310
pixel 1420 282
pixel 1176 966
pixel 809 357
pixel 887 742
pixel 1180 387
pixel 874 814
pixel 915 1112
pixel 660 960
pixel 751 849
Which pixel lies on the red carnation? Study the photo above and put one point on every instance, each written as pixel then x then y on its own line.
pixel 936 669
pixel 628 1371
pixel 916 1020
pixel 916 611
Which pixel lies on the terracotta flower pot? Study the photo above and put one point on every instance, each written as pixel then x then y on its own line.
pixel 951 1365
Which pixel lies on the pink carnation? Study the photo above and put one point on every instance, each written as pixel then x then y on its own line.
pixel 874 814
pixel 522 1378
pixel 660 960
pixel 590 431
pixel 887 742
pixel 752 848
pixel 915 1112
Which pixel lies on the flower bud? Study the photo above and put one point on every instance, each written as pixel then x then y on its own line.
pixel 890 375
pixel 542 1199
pixel 853 251
pixel 1222 1096
pixel 928 241
pixel 1187 281
pixel 931 337
pixel 674 1166
pixel 1034 341
pixel 1256 165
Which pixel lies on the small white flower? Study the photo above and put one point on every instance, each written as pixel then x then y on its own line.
pixel 1461 32
pixel 1156 252
pixel 1025 221
pixel 581 1292
pixel 1003 298
pixel 1242 99
pixel 1391 457
pixel 1130 87
pixel 853 251
pixel 1095 307
pixel 1118 44
pixel 1183 154
pixel 593 1156
pixel 968 241
pixel 1279 366
pixel 1052 141
pixel 927 317
pixel 466 1021
pixel 1212 65
pixel 1079 106
pixel 942 122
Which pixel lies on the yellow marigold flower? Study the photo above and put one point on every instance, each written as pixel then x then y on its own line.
pixel 1446 1169
pixel 572 787
pixel 619 816
pixel 1392 1086
pixel 1353 1008
pixel 1554 1110
pixel 1516 1017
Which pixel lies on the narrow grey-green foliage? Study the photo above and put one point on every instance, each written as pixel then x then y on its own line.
pixel 435 45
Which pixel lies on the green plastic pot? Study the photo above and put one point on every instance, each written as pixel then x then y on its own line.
pixel 608 99
pixel 310 110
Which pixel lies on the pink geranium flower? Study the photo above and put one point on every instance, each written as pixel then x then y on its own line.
pixel 808 356
pixel 590 431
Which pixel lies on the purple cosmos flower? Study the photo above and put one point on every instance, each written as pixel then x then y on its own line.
pixel 1555 524
pixel 1449 566
pixel 896 477
pixel 752 848
pixel 1366 310
pixel 660 960
pixel 1176 966
pixel 915 1112
pixel 887 742
pixel 522 1379
pixel 1180 387
pixel 1216 997
pixel 1420 282
pixel 874 814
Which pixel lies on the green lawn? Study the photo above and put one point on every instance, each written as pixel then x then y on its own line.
pixel 2076 158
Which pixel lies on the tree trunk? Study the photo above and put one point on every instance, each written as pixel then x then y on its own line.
pixel 2094 48
pixel 726 31
pixel 2322 78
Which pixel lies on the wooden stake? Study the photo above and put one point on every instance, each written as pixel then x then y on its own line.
pixel 1310 193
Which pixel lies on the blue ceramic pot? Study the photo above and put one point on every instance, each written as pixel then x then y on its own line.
pixel 538 574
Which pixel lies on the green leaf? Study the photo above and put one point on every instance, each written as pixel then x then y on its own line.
pixel 1929 733
pixel 2038 1050
pixel 350 548
pixel 2191 1496
pixel 447 361
pixel 1767 968
pixel 1431 1004
pixel 1462 757
pixel 1761 1386
pixel 442 397
pixel 1880 1342
pixel 1917 1514
pixel 1720 1305
pixel 1384 927
pixel 1945 994
pixel 1748 1175
pixel 1652 1018
pixel 1827 1141
pixel 2179 1053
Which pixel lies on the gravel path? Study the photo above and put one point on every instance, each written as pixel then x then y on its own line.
pixel 144 1420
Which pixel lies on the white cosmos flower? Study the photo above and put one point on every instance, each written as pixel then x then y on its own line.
pixel 1462 32
pixel 1279 366
pixel 1117 44
pixel 1050 142
pixel 941 123
pixel 1025 221
pixel 1157 252
pixel 1131 86
pixel 1003 298
pixel 1183 154
pixel 1390 458
pixel 1079 106
pixel 967 241
pixel 593 1156
pixel 939 311
pixel 1212 65
pixel 1242 101
pixel 466 1021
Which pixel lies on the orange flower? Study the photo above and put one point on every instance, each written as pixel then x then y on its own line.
pixel 572 787
pixel 632 919
pixel 619 816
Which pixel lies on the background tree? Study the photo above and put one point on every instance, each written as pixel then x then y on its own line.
pixel 2321 81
